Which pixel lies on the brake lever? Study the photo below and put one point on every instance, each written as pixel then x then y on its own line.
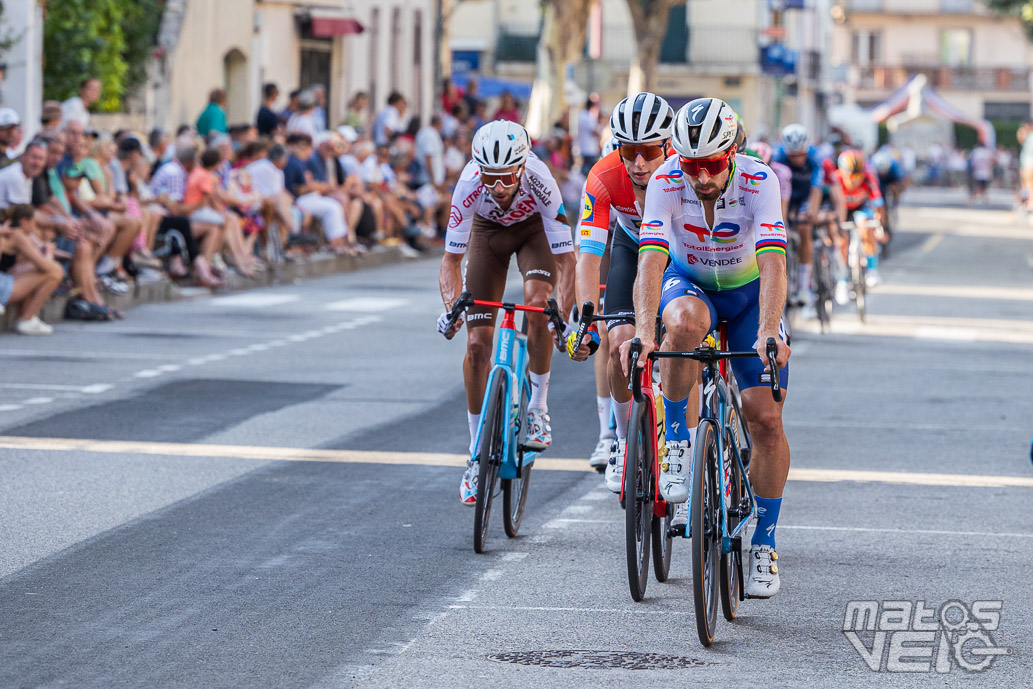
pixel 772 352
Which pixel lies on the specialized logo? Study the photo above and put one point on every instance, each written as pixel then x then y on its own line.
pixel 695 112
pixel 674 177
pixel 756 179
pixel 455 217
pixel 671 283
pixel 725 233
pixel 588 210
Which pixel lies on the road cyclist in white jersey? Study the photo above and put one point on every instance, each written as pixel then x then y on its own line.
pixel 506 202
pixel 717 216
pixel 616 191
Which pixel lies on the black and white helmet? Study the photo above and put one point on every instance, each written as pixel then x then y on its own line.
pixel 642 118
pixel 500 144
pixel 704 128
pixel 795 138
pixel 610 146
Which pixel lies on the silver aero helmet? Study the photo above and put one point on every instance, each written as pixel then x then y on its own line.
pixel 642 118
pixel 500 144
pixel 795 138
pixel 704 128
pixel 610 146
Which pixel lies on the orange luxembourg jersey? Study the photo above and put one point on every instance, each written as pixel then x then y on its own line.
pixel 607 191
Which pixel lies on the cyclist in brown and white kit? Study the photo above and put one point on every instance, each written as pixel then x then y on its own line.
pixel 506 202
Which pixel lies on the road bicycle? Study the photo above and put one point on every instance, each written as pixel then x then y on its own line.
pixel 792 306
pixel 721 500
pixel 857 259
pixel 499 444
pixel 824 276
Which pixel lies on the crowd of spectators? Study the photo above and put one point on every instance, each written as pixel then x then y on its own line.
pixel 86 213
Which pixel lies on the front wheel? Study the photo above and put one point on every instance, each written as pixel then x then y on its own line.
pixel 735 491
pixel 638 496
pixel 490 457
pixel 514 497
pixel 705 529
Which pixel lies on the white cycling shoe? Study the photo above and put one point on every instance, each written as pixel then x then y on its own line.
pixel 762 580
pixel 681 515
pixel 872 278
pixel 614 477
pixel 468 486
pixel 539 432
pixel 674 471
pixel 601 454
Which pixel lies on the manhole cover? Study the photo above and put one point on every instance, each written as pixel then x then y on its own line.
pixel 598 660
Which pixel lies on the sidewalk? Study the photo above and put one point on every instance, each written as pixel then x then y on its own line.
pixel 957 197
pixel 313 266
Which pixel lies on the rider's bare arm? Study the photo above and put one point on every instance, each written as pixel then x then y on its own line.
pixel 772 269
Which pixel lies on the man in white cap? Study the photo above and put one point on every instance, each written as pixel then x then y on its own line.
pixel 10 136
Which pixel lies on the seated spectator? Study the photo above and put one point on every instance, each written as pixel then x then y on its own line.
pixel 213 117
pixel 241 135
pixel 10 136
pixel 161 151
pixel 390 121
pixel 508 109
pixel 97 169
pixel 77 108
pixel 304 121
pixel 202 240
pixel 319 112
pixel 126 184
pixel 50 116
pixel 28 275
pixel 268 121
pixel 212 210
pixel 301 184
pixel 267 179
pixel 357 116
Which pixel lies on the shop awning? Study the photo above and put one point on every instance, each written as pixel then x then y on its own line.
pixel 329 22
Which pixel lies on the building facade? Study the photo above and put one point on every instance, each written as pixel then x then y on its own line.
pixel 348 46
pixel 977 61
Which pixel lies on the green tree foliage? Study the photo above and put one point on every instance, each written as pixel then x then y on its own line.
pixel 1023 9
pixel 107 39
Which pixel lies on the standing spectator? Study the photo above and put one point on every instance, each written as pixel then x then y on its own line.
pixel 450 94
pixel 470 97
pixel 430 180
pixel 10 125
pixel 358 112
pixel 389 122
pixel 267 120
pixel 1026 163
pixel 292 105
pixel 213 117
pixel 982 164
pixel 588 133
pixel 304 120
pixel 453 119
pixel 77 108
pixel 50 116
pixel 508 109
pixel 28 274
pixel 319 112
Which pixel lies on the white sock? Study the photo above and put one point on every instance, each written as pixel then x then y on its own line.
pixel 472 420
pixel 621 412
pixel 539 391
pixel 602 408
pixel 692 436
pixel 805 276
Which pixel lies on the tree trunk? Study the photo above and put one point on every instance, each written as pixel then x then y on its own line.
pixel 564 28
pixel 649 17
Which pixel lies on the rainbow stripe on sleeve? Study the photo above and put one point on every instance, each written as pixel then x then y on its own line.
pixel 653 244
pixel 768 246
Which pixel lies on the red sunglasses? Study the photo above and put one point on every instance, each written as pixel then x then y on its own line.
pixel 506 179
pixel 647 151
pixel 713 166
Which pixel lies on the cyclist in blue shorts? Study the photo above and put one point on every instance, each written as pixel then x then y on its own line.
pixel 717 216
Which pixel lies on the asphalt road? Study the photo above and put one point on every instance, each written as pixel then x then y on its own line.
pixel 260 490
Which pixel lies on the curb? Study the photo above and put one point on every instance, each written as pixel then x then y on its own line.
pixel 317 265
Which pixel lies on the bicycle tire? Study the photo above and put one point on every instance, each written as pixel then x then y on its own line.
pixel 638 498
pixel 489 454
pixel 705 528
pixel 663 543
pixel 731 562
pixel 823 293
pixel 514 490
pixel 859 276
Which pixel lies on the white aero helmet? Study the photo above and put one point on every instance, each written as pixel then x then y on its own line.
pixel 795 138
pixel 610 146
pixel 500 144
pixel 704 128
pixel 642 118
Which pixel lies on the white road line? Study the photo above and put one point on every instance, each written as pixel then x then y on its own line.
pixel 366 304
pixel 39 400
pixel 10 407
pixel 924 532
pixel 513 557
pixel 169 368
pixel 492 575
pixel 97 388
pixel 254 301
pixel 530 608
pixel 956 292
pixel 48 388
pixel 240 351
pixel 467 596
pixel 932 243
pixel 147 373
pixel 577 509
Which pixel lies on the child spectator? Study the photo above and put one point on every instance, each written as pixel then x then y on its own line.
pixel 28 273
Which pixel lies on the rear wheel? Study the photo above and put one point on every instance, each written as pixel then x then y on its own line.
pixel 638 497
pixel 514 490
pixel 490 457
pixel 705 529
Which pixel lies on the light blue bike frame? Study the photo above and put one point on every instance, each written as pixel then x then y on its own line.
pixel 723 395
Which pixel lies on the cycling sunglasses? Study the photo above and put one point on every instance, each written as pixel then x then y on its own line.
pixel 714 166
pixel 506 179
pixel 648 151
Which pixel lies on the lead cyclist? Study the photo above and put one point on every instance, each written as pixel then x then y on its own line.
pixel 506 202
pixel 725 236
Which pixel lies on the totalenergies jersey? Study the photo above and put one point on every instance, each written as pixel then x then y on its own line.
pixel 747 223
pixel 609 195
pixel 867 191
pixel 538 194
